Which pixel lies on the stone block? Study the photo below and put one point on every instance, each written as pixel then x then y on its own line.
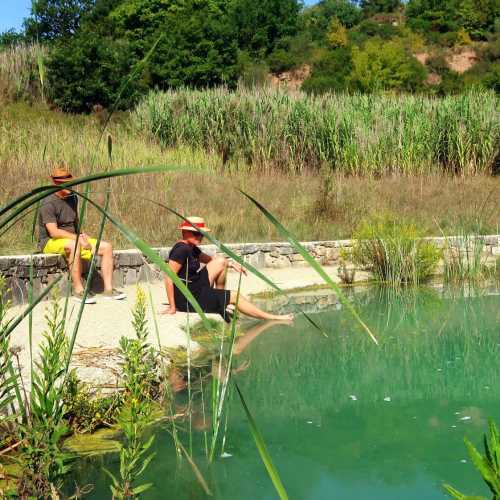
pixel 296 257
pixel 492 240
pixel 249 249
pixel 282 262
pixel 332 254
pixel 320 251
pixel 118 278
pixel 495 251
pixel 257 259
pixel 269 259
pixel 286 250
pixel 130 276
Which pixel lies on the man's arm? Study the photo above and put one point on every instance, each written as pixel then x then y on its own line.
pixel 169 285
pixel 56 232
pixel 204 258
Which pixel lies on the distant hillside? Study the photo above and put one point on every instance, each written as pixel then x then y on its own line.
pixel 86 49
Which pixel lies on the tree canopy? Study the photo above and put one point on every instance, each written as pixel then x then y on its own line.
pixel 353 45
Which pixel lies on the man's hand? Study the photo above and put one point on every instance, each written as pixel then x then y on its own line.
pixel 84 242
pixel 238 268
pixel 169 310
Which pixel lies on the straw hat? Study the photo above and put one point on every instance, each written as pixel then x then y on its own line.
pixel 61 174
pixel 196 222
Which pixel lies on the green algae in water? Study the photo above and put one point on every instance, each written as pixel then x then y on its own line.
pixel 342 418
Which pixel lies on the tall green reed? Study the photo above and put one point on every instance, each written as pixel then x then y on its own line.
pixel 353 134
pixel 22 72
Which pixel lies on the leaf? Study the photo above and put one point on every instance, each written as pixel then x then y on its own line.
pixel 312 262
pixel 261 446
pixel 142 488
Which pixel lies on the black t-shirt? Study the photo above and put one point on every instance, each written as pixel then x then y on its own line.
pixel 62 211
pixel 188 257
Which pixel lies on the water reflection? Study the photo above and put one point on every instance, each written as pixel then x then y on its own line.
pixel 342 417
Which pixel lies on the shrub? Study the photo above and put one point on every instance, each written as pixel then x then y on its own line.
pixel 383 65
pixel 393 250
pixel 330 73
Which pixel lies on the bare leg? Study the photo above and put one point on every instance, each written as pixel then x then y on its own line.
pixel 75 265
pixel 243 342
pixel 106 254
pixel 217 272
pixel 246 307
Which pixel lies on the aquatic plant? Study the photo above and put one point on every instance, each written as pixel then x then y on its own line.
pixel 138 373
pixel 394 251
pixel 488 465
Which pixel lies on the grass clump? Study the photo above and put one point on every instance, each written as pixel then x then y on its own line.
pixel 394 251
pixel 465 259
pixel 85 411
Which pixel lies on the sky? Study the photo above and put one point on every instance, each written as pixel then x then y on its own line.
pixel 12 13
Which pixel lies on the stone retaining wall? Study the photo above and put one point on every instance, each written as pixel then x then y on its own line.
pixel 131 267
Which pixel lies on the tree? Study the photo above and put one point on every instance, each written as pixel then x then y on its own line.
pixel 86 70
pixel 11 37
pixel 372 7
pixel 476 17
pixel 331 72
pixel 54 19
pixel 337 34
pixel 258 26
pixel 197 46
pixel 317 18
pixel 386 65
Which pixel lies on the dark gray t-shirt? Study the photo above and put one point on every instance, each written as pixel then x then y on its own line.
pixel 62 211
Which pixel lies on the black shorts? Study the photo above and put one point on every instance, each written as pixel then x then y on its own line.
pixel 211 300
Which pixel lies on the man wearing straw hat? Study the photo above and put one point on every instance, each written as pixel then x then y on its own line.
pixel 206 283
pixel 58 233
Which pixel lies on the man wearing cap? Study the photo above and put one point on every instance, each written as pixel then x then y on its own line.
pixel 58 233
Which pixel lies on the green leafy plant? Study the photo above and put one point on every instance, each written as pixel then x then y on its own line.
pixel 43 462
pixel 86 411
pixel 488 465
pixel 394 251
pixel 138 372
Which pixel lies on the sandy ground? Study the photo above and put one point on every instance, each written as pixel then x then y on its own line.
pixel 103 323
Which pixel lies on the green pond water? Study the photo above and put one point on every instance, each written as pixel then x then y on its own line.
pixel 343 418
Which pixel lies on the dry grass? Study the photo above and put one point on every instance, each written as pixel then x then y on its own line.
pixel 31 139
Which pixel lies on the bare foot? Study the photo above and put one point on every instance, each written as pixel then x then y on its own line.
pixel 283 318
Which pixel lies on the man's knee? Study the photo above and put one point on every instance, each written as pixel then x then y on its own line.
pixel 71 247
pixel 221 261
pixel 105 247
